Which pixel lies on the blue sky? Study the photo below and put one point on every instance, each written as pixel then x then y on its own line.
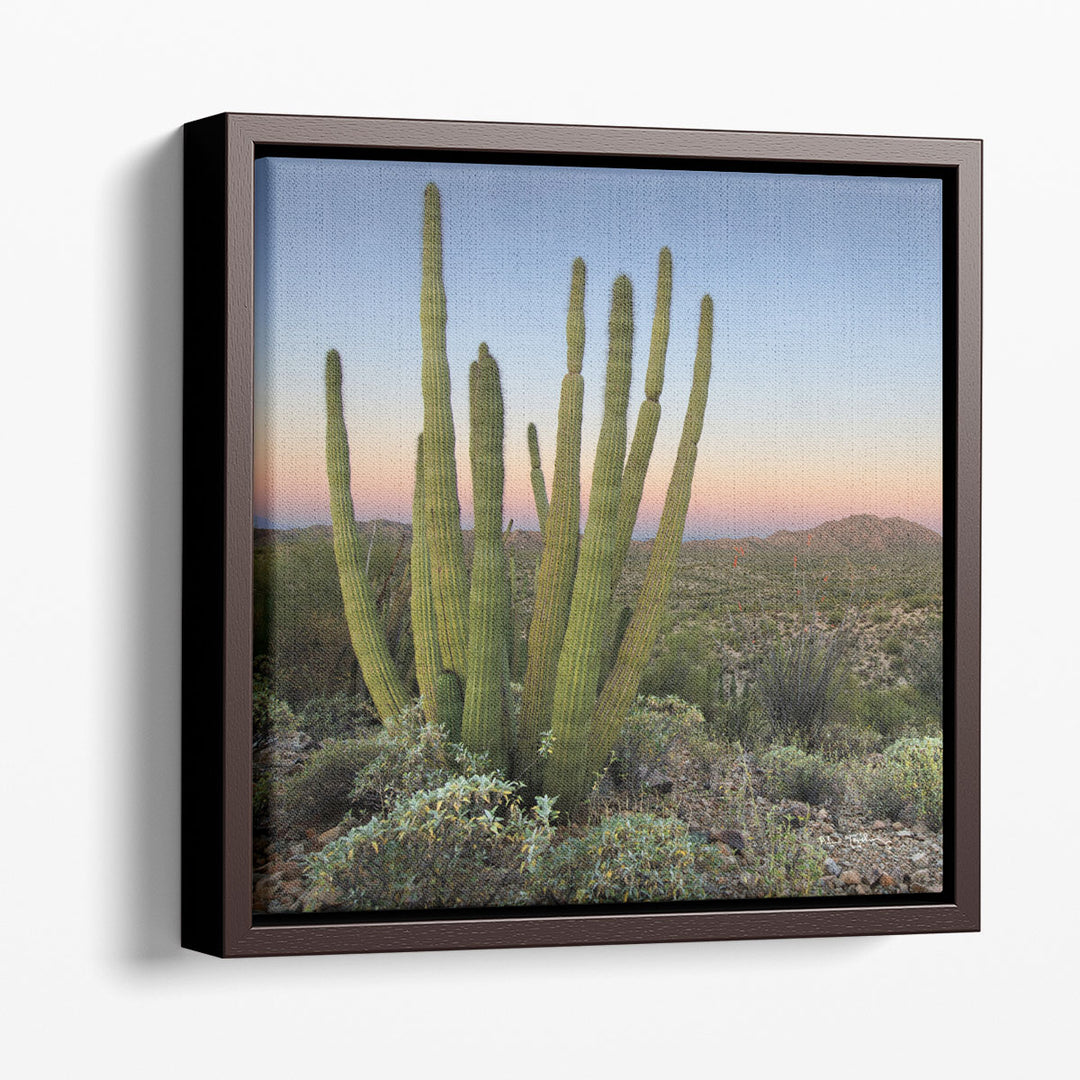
pixel 826 388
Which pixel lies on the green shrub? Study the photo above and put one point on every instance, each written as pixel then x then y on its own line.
pixel 797 676
pixel 628 857
pixel 339 715
pixel 650 730
pixel 791 773
pixel 685 667
pixel 410 755
pixel 320 793
pixel 908 784
pixel 467 843
pixel 893 711
pixel 270 714
pixel 787 862
pixel 737 715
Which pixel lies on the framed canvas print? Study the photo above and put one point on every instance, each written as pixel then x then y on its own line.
pixel 581 533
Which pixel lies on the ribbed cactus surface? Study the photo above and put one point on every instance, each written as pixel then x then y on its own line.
pixel 536 474
pixel 558 560
pixel 580 660
pixel 365 628
pixel 425 632
pixel 484 725
pixel 622 685
pixel 641 448
pixel 449 581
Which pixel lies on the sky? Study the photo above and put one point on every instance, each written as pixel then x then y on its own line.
pixel 825 398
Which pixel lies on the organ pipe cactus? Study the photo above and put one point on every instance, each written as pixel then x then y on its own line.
pixel 579 662
pixel 640 636
pixel 558 560
pixel 537 476
pixel 443 511
pixel 365 629
pixel 485 723
pixel 463 635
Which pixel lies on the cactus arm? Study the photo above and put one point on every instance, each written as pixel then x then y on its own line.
pixel 425 631
pixel 622 685
pixel 558 559
pixel 484 720
pixel 578 673
pixel 641 448
pixel 365 630
pixel 539 486
pixel 441 505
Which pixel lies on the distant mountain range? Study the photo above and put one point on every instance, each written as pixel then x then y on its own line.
pixel 860 532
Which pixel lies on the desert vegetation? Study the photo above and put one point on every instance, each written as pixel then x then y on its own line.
pixel 450 718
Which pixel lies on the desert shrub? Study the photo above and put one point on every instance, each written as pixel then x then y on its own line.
pixel 650 730
pixel 926 669
pixel 627 857
pixel 908 784
pixel 791 773
pixel 844 739
pixel 786 861
pixel 737 715
pixel 339 715
pixel 797 677
pixel 410 755
pixel 893 711
pixel 270 713
pixel 917 764
pixel 685 667
pixel 466 843
pixel 320 793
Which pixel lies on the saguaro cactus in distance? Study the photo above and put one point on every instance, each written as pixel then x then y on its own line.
pixel 558 559
pixel 579 662
pixel 449 582
pixel 365 629
pixel 622 685
pixel 485 723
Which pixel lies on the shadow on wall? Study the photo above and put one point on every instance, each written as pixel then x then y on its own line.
pixel 146 907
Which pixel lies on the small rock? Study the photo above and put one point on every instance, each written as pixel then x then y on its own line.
pixel 879 825
pixel 291 871
pixel 658 782
pixel 850 877
pixel 873 875
pixel 897 826
pixel 823 814
pixel 904 832
pixel 832 867
pixel 733 838
pixel 886 881
pixel 862 890
pixel 918 856
pixel 826 829
pixel 331 834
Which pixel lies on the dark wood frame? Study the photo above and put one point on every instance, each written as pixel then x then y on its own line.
pixel 219 154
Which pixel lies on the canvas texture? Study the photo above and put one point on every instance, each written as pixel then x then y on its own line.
pixel 599 536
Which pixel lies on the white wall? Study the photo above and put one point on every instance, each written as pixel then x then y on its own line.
pixel 94 95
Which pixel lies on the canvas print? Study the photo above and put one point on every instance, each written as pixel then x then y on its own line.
pixel 598 536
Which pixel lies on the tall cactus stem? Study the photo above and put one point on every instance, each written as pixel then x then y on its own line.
pixel 580 660
pixel 622 685
pixel 365 628
pixel 558 560
pixel 539 485
pixel 484 721
pixel 442 508
pixel 641 448
pixel 425 631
